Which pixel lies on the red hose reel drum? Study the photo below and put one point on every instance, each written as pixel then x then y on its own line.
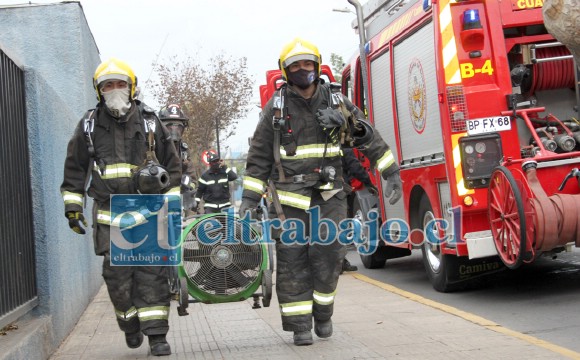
pixel 552 74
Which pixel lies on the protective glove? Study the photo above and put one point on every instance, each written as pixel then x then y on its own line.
pixel 248 205
pixel 193 206
pixel 75 218
pixel 394 189
pixel 329 118
pixel 372 189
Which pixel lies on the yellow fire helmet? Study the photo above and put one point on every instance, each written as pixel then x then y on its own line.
pixel 114 69
pixel 298 49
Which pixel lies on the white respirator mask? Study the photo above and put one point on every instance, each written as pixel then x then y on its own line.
pixel 117 100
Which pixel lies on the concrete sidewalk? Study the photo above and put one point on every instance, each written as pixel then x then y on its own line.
pixel 371 321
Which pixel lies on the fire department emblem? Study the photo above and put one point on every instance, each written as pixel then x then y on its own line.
pixel 417 96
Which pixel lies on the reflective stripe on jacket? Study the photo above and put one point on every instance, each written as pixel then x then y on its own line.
pixel 312 150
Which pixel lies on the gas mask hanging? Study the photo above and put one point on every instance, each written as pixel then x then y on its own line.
pixel 151 177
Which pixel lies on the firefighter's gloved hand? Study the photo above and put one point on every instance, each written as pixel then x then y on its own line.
pixel 249 205
pixel 329 118
pixel 394 189
pixel 186 184
pixel 372 189
pixel 75 218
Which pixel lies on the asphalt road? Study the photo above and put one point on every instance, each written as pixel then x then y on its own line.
pixel 541 299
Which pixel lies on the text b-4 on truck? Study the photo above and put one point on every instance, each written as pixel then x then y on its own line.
pixel 479 104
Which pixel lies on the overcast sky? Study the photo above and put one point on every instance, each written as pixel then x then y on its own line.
pixel 142 32
pixel 255 29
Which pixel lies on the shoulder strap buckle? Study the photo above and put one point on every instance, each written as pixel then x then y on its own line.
pixel 88 128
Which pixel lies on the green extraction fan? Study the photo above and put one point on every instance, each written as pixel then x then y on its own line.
pixel 223 261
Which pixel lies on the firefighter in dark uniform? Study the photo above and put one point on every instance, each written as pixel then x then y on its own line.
pixel 110 144
pixel 354 172
pixel 301 157
pixel 213 186
pixel 176 122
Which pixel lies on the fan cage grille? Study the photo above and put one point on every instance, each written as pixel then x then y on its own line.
pixel 225 267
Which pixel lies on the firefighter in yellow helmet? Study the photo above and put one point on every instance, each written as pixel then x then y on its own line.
pixel 109 147
pixel 296 153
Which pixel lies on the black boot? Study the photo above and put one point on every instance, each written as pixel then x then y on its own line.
pixel 346 266
pixel 159 345
pixel 303 338
pixel 134 340
pixel 323 329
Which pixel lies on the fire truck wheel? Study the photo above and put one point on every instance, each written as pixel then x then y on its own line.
pixel 377 259
pixel 437 265
pixel 507 217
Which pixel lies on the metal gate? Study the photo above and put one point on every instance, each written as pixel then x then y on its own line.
pixel 18 291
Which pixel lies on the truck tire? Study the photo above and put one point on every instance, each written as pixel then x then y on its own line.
pixel 439 267
pixel 377 259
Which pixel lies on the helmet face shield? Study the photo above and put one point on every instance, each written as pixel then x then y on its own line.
pixel 102 81
pixel 293 59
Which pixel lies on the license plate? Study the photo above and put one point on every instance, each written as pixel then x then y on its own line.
pixel 490 124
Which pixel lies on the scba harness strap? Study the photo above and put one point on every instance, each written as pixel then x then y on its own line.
pixel 149 125
pixel 89 130
pixel 279 123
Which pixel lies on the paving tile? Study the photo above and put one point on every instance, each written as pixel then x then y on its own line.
pixel 376 325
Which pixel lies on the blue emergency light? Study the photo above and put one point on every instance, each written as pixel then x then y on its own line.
pixel 471 19
pixel 368 47
pixel 472 36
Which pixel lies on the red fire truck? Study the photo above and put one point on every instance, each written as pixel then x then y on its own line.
pixel 479 104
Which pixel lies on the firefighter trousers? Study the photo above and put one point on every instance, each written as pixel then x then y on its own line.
pixel 215 210
pixel 307 274
pixel 140 295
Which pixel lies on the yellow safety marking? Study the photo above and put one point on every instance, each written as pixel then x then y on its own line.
pixel 468 70
pixel 449 49
pixel 390 31
pixel 527 4
pixel 461 189
pixel 478 320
